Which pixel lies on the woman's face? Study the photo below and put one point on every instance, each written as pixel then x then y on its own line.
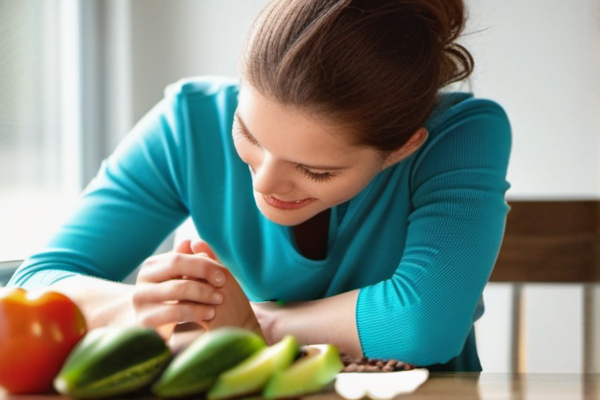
pixel 300 164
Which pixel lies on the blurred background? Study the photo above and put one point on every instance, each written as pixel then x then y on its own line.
pixel 75 75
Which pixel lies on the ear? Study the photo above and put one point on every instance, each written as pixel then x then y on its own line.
pixel 413 144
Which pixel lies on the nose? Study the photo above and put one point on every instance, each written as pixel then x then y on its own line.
pixel 270 178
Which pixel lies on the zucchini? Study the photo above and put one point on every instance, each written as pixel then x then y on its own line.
pixel 197 367
pixel 111 361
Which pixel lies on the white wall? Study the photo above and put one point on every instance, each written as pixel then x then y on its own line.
pixel 539 59
pixel 176 39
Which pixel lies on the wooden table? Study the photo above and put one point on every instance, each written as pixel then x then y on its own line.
pixel 489 386
pixel 469 386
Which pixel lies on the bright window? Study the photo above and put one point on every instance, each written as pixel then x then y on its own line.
pixel 39 181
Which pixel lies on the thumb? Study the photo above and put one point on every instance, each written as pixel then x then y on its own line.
pixel 203 247
pixel 184 247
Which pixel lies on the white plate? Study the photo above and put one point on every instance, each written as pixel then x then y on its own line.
pixel 379 385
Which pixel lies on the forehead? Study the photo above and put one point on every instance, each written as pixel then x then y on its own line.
pixel 293 132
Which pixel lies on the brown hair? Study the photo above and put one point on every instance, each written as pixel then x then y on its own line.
pixel 375 66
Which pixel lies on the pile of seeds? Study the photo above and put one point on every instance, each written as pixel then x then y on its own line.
pixel 373 365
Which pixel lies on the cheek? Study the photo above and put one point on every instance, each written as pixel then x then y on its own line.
pixel 349 188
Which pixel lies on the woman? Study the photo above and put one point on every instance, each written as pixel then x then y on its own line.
pixel 353 202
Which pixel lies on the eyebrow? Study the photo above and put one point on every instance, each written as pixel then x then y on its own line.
pixel 251 138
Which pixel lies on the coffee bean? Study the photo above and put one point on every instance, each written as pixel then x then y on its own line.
pixel 350 368
pixel 365 364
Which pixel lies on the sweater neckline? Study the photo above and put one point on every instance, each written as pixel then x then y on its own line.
pixel 340 217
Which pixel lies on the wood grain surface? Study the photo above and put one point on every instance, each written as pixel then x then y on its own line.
pixel 463 386
pixel 550 241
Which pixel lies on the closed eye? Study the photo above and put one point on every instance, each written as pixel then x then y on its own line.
pixel 241 130
pixel 245 134
pixel 316 176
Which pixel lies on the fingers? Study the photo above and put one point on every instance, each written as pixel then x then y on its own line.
pixel 236 309
pixel 184 247
pixel 203 247
pixel 179 286
pixel 174 265
pixel 181 290
pixel 160 315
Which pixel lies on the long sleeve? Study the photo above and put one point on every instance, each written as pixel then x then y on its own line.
pixel 425 311
pixel 126 211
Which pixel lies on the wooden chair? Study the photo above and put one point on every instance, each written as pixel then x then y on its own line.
pixel 550 246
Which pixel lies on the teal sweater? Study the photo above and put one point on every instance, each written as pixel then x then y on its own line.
pixel 420 241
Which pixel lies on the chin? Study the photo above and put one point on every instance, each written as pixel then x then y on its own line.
pixel 285 217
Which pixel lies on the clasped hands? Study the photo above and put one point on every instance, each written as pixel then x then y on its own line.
pixel 185 292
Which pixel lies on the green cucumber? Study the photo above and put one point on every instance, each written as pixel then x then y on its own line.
pixel 111 361
pixel 196 368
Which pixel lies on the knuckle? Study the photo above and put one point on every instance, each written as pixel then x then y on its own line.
pixel 144 319
pixel 149 267
pixel 151 261
pixel 138 298
pixel 177 258
pixel 143 274
pixel 141 277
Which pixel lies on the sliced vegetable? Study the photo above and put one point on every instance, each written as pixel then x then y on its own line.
pixel 311 373
pixel 253 374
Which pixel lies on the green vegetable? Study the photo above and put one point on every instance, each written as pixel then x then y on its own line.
pixel 112 361
pixel 197 367
pixel 253 374
pixel 311 373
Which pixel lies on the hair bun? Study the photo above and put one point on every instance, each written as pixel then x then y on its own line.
pixel 443 19
pixel 446 19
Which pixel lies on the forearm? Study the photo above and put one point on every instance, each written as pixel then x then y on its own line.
pixel 102 302
pixel 329 320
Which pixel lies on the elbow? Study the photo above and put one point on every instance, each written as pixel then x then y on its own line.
pixel 435 343
pixel 423 333
pixel 427 343
pixel 436 349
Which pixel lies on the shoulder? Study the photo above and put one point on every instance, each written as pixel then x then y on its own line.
pixel 464 132
pixel 195 96
pixel 203 86
pixel 462 122
pixel 457 108
pixel 200 101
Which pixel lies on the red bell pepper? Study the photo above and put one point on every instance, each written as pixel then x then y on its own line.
pixel 37 332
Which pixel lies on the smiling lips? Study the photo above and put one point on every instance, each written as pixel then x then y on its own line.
pixel 286 205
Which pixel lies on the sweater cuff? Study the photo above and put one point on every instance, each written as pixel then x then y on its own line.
pixel 40 279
